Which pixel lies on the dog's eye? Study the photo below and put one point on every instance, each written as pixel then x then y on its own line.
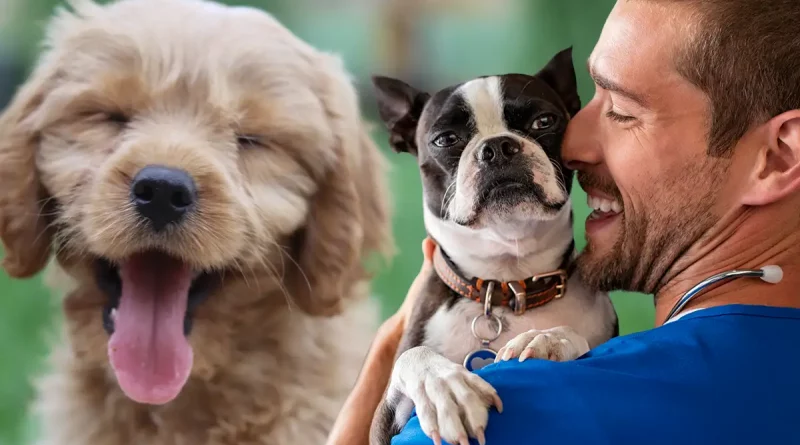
pixel 446 139
pixel 249 141
pixel 114 117
pixel 543 122
pixel 117 118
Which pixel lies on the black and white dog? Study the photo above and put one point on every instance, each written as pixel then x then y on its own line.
pixel 497 204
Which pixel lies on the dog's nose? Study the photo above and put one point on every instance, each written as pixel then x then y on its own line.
pixel 163 195
pixel 499 150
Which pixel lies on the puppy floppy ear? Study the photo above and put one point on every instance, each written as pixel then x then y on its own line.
pixel 559 74
pixel 24 230
pixel 349 214
pixel 400 107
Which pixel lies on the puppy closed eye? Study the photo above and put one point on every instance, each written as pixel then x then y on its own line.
pixel 250 141
pixel 114 117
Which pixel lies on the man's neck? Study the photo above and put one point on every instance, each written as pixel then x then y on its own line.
pixel 749 239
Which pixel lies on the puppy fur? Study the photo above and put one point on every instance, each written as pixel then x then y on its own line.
pixel 291 201
pixel 497 201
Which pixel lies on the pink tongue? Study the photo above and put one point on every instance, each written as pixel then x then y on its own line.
pixel 148 351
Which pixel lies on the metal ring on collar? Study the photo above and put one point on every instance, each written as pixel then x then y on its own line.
pixel 487 301
pixel 489 317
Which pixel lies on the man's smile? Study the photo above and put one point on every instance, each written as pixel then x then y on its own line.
pixel 605 210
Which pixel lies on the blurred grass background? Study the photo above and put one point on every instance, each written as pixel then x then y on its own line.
pixel 431 43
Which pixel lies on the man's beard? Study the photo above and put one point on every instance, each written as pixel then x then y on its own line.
pixel 650 242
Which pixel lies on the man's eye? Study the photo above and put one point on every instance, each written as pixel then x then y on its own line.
pixel 543 122
pixel 618 117
pixel 446 140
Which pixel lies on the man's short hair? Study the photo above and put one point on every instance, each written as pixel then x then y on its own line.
pixel 745 55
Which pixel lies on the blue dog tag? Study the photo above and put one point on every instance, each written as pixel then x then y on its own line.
pixel 478 359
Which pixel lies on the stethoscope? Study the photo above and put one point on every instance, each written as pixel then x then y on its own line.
pixel 770 274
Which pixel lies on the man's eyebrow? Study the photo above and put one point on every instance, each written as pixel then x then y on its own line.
pixel 609 85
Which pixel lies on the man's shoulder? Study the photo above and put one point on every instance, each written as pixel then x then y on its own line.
pixel 711 335
pixel 696 346
pixel 680 372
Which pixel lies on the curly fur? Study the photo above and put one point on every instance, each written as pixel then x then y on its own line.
pixel 288 222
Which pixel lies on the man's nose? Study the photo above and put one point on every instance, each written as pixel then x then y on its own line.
pixel 581 145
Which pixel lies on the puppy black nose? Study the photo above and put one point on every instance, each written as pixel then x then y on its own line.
pixel 499 150
pixel 163 195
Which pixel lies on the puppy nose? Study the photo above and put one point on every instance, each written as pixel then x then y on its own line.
pixel 499 150
pixel 163 195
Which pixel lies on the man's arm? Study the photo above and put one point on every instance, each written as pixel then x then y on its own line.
pixel 546 402
pixel 352 425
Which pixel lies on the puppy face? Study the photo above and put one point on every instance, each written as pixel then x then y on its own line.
pixel 489 148
pixel 169 149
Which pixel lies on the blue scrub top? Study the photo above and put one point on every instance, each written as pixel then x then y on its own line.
pixel 723 375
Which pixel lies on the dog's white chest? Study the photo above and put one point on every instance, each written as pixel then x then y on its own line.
pixel 449 331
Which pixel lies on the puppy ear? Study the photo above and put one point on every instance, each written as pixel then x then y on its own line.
pixel 400 107
pixel 559 74
pixel 374 198
pixel 24 230
pixel 349 214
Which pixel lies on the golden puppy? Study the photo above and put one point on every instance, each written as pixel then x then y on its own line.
pixel 208 190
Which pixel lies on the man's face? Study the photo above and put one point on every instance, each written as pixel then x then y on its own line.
pixel 639 148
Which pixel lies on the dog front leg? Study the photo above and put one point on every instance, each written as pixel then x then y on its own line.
pixel 390 418
pixel 452 403
pixel 558 344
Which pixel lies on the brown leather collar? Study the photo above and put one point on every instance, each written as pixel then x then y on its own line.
pixel 520 295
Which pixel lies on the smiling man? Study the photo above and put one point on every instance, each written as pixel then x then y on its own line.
pixel 690 154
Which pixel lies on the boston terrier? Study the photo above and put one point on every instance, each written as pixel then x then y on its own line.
pixel 497 205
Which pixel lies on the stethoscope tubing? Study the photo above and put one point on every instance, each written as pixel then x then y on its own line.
pixel 699 287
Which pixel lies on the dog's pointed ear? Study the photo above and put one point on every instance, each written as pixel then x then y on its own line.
pixel 559 74
pixel 400 107
pixel 24 229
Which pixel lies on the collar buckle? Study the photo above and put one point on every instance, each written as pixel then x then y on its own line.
pixel 561 287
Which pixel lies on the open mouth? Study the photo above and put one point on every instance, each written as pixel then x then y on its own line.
pixel 152 297
pixel 602 207
pixel 604 212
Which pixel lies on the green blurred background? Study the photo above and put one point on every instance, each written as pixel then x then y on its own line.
pixel 431 43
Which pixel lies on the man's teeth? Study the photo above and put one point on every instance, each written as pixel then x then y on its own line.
pixel 604 205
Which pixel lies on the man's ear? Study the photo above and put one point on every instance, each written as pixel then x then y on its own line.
pixel 777 172
pixel 400 107
pixel 559 74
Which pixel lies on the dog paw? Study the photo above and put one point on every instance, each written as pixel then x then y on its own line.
pixel 558 344
pixel 452 403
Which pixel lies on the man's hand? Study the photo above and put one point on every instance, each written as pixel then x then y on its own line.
pixel 352 425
